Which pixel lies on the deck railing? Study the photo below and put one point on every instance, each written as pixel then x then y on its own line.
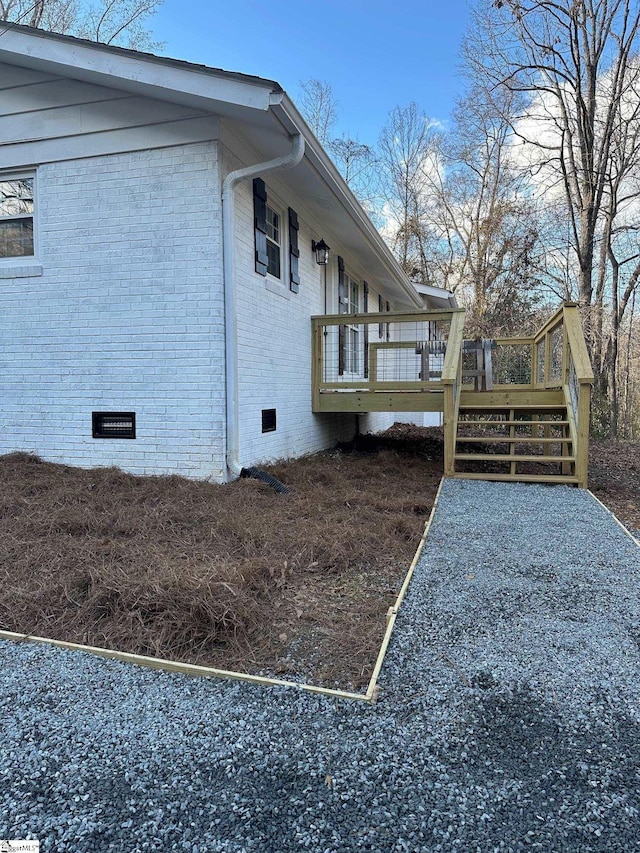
pixel 452 381
pixel 555 358
pixel 577 379
pixel 414 362
pixel 358 357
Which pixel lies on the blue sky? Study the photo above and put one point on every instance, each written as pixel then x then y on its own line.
pixel 376 54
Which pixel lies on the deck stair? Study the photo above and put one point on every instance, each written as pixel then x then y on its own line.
pixel 514 438
pixel 513 408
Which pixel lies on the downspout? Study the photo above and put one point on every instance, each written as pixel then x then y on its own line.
pixel 229 267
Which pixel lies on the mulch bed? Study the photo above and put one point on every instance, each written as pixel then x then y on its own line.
pixel 237 576
pixel 614 476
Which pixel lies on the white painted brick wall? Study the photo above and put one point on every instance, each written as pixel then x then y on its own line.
pixel 127 315
pixel 274 343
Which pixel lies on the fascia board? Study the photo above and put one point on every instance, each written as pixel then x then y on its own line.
pixel 140 73
pixel 432 290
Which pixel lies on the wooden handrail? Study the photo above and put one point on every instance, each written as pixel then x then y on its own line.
pixel 454 349
pixel 505 342
pixel 577 345
pixel 324 380
pixel 383 317
pixel 551 322
pixel 575 351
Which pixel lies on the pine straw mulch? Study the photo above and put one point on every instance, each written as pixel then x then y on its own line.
pixel 614 477
pixel 237 576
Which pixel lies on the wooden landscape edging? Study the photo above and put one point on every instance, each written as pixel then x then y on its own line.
pixel 615 518
pixel 194 670
pixel 182 668
pixel 392 614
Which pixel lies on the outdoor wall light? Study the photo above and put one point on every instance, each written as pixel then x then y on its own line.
pixel 321 251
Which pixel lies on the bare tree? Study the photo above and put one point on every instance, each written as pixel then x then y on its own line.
pixel 618 272
pixel 629 374
pixel 32 12
pixel 556 53
pixel 319 107
pixel 485 218
pixel 354 159
pixel 407 145
pixel 356 162
pixel 122 22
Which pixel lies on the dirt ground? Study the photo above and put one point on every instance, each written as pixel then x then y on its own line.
pixel 237 576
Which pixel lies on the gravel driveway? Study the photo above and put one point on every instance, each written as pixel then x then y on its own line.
pixel 508 716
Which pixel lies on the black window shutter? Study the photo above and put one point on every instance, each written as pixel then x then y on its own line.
pixel 294 252
pixel 380 309
pixel 343 297
pixel 388 324
pixel 260 222
pixel 342 307
pixel 365 308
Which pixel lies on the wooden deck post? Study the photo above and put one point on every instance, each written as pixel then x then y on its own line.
pixel 316 364
pixel 581 452
pixel 449 432
pixel 452 388
pixel 584 377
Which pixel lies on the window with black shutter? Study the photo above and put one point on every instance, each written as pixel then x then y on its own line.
pixel 380 309
pixel 388 324
pixel 294 252
pixel 260 223
pixel 350 340
pixel 274 242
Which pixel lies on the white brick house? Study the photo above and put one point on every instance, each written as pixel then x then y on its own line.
pixel 154 307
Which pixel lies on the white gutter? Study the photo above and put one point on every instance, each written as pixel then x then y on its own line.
pixel 229 261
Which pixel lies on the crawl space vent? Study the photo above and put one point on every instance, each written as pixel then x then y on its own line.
pixel 114 424
pixel 268 420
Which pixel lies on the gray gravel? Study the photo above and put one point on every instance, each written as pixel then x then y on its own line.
pixel 508 717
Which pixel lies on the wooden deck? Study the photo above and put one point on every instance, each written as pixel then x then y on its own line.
pixel 533 423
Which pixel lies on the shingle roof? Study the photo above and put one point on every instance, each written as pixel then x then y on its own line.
pixel 139 54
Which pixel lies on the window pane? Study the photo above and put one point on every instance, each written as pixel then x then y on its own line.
pixel 273 256
pixel 16 197
pixel 353 296
pixel 16 238
pixel 273 225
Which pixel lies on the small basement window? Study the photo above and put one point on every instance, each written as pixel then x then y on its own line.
pixel 114 424
pixel 268 420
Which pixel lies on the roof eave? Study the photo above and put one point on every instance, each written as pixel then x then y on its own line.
pixel 168 79
pixel 133 71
